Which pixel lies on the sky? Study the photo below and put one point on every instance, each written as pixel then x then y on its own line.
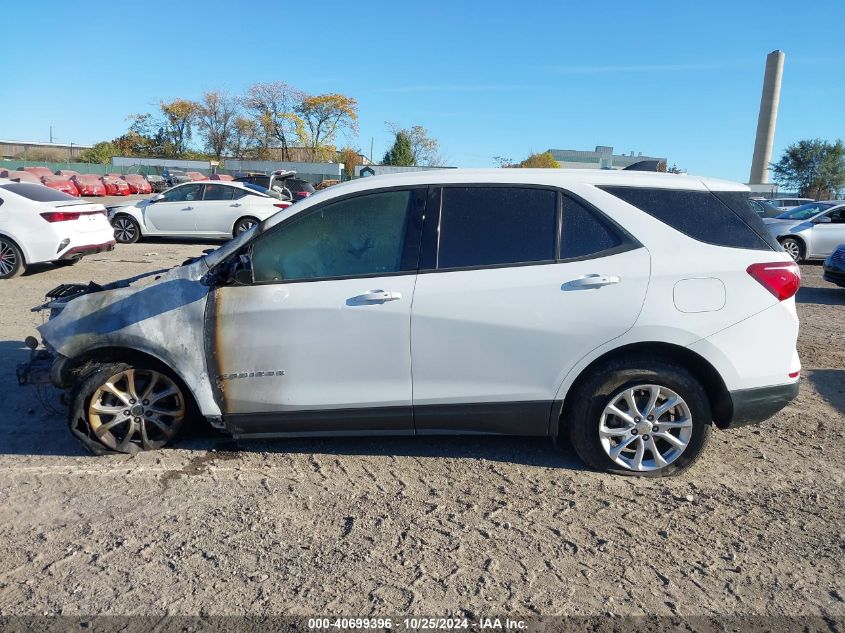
pixel 492 78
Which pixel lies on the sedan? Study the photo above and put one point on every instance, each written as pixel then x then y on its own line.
pixel 195 209
pixel 834 267
pixel 39 224
pixel 811 231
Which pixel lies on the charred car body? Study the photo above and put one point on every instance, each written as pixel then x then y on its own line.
pixel 544 302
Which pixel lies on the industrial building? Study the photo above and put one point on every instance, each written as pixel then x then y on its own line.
pixel 602 158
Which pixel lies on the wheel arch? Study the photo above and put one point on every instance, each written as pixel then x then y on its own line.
pixel 713 384
pixel 246 216
pixel 798 238
pixel 134 215
pixel 27 257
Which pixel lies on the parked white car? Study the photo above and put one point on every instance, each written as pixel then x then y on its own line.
pixel 39 224
pixel 625 312
pixel 811 231
pixel 785 204
pixel 218 209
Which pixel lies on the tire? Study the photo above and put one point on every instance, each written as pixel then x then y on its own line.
pixel 114 419
pixel 11 259
pixel 595 432
pixel 126 229
pixel 243 225
pixel 794 247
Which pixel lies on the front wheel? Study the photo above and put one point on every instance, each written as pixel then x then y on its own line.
pixel 645 418
pixel 126 229
pixel 794 248
pixel 243 225
pixel 123 408
pixel 11 259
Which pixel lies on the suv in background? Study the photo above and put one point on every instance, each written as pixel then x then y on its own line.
pixel 284 179
pixel 622 312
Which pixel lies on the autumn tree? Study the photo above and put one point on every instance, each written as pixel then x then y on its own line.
pixel 215 117
pixel 349 158
pixel 324 117
pixel 814 167
pixel 180 115
pixel 401 153
pixel 244 138
pixel 101 153
pixel 273 107
pixel 543 161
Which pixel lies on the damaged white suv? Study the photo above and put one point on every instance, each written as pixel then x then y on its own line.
pixel 627 312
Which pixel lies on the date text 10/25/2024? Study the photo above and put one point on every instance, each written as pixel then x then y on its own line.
pixel 417 624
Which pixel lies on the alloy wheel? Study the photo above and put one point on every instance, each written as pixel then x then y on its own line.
pixel 8 258
pixel 124 229
pixel 646 427
pixel 135 409
pixel 245 225
pixel 792 248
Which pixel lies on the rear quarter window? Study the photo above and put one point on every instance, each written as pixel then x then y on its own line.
pixel 721 218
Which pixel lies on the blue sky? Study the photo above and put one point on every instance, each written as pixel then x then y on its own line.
pixel 489 78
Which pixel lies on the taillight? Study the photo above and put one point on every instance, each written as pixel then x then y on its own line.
pixel 65 216
pixel 303 194
pixel 281 205
pixel 782 279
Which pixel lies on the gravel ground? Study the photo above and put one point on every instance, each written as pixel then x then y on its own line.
pixel 436 526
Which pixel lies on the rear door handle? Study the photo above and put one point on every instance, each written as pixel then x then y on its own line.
pixel 592 281
pixel 377 296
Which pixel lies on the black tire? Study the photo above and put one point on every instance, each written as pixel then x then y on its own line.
pixel 126 229
pixel 589 398
pixel 244 224
pixel 794 247
pixel 11 259
pixel 103 431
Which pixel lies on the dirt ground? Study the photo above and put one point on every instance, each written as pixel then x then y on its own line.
pixel 434 526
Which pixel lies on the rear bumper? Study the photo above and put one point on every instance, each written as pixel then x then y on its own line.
pixel 751 406
pixel 81 251
pixel 834 276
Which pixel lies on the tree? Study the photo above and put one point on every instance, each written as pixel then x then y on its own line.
pixel 814 167
pixel 324 117
pixel 426 150
pixel 244 137
pixel 179 116
pixel 402 153
pixel 273 108
pixel 216 113
pixel 502 161
pixel 543 161
pixel 350 158
pixel 101 153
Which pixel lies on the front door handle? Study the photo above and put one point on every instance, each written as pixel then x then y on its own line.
pixel 377 296
pixel 592 281
pixel 237 204
pixel 186 208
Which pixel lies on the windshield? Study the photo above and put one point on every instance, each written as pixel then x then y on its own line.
pixel 805 211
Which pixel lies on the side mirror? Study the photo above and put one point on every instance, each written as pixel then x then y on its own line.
pixel 825 219
pixel 243 277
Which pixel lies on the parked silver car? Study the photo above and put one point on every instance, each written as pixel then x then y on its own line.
pixel 811 231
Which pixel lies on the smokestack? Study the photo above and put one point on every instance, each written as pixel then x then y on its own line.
pixel 767 119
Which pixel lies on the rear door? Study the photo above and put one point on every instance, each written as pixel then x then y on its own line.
pixel 516 285
pixel 175 214
pixel 217 213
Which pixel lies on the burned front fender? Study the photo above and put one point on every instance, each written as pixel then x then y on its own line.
pixel 164 318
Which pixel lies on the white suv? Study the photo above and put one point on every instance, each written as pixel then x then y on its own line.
pixel 627 312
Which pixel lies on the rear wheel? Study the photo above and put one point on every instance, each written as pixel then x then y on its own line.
pixel 126 229
pixel 243 225
pixel 794 247
pixel 126 408
pixel 645 418
pixel 11 259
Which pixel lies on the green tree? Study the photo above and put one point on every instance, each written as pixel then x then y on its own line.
pixel 543 161
pixel 101 153
pixel 401 153
pixel 323 118
pixel 425 148
pixel 816 168
pixel 272 107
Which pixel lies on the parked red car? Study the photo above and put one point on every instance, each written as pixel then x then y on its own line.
pixel 60 183
pixel 38 171
pixel 67 173
pixel 23 176
pixel 221 177
pixel 195 175
pixel 89 185
pixel 137 184
pixel 115 186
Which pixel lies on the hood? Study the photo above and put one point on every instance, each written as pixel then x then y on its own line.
pixel 777 226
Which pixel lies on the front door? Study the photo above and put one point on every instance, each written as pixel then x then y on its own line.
pixel 828 235
pixel 525 282
pixel 320 341
pixel 176 212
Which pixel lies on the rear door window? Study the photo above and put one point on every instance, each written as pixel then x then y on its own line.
pixel 721 218
pixel 218 192
pixel 489 226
